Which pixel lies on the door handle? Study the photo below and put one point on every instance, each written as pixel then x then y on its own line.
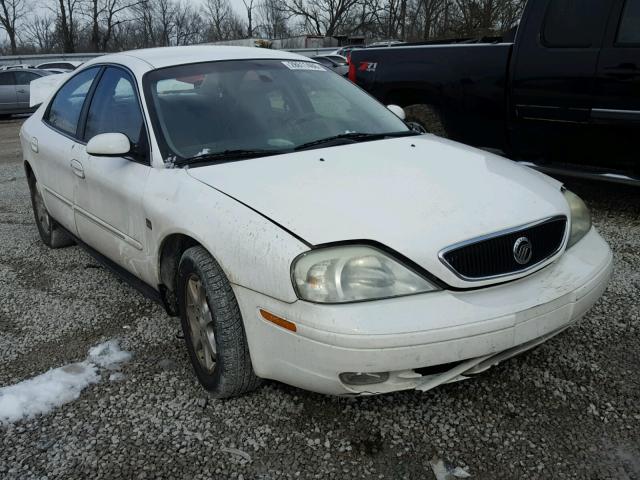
pixel 76 167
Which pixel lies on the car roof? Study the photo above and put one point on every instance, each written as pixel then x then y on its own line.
pixel 168 56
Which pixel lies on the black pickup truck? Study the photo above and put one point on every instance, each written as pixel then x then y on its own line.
pixel 562 90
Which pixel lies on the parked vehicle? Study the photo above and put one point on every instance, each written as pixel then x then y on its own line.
pixel 57 70
pixel 64 65
pixel 19 66
pixel 339 68
pixel 563 91
pixel 14 90
pixel 339 59
pixel 300 229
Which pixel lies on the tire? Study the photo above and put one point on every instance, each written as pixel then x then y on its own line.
pixel 213 327
pixel 428 117
pixel 52 235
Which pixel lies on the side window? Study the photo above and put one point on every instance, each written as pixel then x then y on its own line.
pixel 574 23
pixel 25 78
pixel 66 106
pixel 6 78
pixel 629 31
pixel 115 108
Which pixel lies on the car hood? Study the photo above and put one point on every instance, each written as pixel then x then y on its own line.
pixel 415 195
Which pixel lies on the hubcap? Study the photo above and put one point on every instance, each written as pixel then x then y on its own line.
pixel 41 211
pixel 200 323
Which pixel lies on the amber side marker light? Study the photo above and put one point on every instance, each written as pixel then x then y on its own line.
pixel 281 322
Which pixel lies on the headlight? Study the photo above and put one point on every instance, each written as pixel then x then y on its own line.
pixel 352 273
pixel 580 218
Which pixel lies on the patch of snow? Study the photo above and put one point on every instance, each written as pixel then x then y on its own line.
pixel 58 386
pixel 204 151
pixel 108 355
pixel 116 377
pixel 41 394
pixel 445 471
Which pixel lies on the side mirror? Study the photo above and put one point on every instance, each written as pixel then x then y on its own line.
pixel 397 111
pixel 109 145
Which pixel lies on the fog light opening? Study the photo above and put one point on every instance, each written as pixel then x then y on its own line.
pixel 363 378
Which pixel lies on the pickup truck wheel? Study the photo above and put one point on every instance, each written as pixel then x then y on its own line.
pixel 50 232
pixel 213 327
pixel 428 117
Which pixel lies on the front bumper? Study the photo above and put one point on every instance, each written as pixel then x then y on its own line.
pixel 478 327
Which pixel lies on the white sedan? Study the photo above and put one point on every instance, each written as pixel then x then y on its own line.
pixel 300 230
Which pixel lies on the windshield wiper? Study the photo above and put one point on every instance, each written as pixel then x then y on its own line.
pixel 355 136
pixel 225 155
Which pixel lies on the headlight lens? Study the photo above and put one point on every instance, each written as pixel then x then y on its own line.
pixel 353 273
pixel 580 218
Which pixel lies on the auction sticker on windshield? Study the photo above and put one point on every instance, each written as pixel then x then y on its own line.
pixel 303 66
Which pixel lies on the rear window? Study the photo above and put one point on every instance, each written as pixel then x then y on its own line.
pixel 574 23
pixel 629 31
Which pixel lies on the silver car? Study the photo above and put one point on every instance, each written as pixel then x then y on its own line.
pixel 14 90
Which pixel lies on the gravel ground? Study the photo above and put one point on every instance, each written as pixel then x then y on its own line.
pixel 569 409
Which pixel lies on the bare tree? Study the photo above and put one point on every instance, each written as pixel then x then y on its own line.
pixel 324 17
pixel 273 19
pixel 222 22
pixel 248 4
pixel 65 12
pixel 11 11
pixel 40 33
pixel 188 25
pixel 104 16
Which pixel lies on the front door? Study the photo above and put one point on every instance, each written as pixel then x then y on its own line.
pixel 109 211
pixel 616 106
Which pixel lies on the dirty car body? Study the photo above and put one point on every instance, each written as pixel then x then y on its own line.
pixel 362 257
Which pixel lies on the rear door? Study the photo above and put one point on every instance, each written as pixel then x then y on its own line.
pixel 555 62
pixel 54 139
pixel 616 105
pixel 8 99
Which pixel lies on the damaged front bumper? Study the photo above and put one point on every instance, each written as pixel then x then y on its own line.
pixel 422 341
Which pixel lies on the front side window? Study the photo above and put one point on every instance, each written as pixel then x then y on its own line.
pixel 574 23
pixel 629 31
pixel 265 105
pixel 66 106
pixel 115 108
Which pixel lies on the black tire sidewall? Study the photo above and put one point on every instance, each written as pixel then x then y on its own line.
pixel 187 267
pixel 44 234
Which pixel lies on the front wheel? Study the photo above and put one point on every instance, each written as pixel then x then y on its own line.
pixel 213 327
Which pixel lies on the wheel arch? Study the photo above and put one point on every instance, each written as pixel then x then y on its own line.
pixel 28 170
pixel 169 254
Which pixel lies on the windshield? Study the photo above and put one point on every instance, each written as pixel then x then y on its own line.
pixel 257 105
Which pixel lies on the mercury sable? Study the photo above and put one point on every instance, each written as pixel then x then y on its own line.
pixel 302 231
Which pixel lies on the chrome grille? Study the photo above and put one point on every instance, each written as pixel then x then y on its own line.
pixel 497 254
